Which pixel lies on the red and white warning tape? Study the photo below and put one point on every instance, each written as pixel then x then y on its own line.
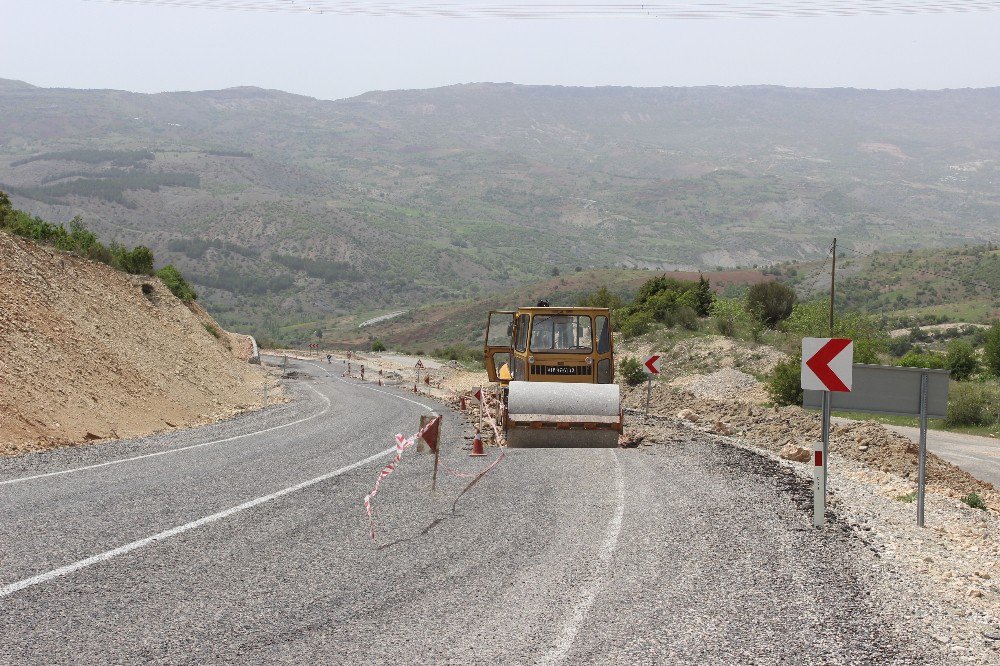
pixel 401 445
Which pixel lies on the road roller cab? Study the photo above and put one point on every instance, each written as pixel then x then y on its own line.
pixel 556 367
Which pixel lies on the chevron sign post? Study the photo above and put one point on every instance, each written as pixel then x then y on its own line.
pixel 651 366
pixel 827 365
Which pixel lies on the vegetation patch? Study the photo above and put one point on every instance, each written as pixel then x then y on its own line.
pixel 111 189
pixel 176 283
pixel 90 156
pixel 77 239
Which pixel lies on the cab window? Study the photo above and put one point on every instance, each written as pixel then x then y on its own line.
pixel 603 334
pixel 522 333
pixel 571 333
pixel 500 330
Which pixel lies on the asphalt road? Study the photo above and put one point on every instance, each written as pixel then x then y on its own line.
pixel 979 456
pixel 246 542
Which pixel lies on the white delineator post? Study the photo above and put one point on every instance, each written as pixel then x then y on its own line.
pixel 819 484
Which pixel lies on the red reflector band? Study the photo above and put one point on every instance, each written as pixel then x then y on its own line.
pixel 819 458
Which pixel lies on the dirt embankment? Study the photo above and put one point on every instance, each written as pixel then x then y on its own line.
pixel 87 353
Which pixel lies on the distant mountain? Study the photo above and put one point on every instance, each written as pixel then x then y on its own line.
pixel 287 209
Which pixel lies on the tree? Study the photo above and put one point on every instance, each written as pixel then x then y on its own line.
pixel 704 297
pixel 961 360
pixel 602 298
pixel 771 302
pixel 991 352
pixel 555 271
pixel 813 320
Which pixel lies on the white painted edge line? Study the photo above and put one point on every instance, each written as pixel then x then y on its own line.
pixel 589 591
pixel 370 388
pixel 73 470
pixel 12 588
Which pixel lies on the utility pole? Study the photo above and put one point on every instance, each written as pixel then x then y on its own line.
pixel 833 282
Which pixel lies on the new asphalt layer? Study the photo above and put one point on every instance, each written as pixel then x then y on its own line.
pixel 247 542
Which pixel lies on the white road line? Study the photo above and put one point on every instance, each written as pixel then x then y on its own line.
pixel 177 450
pixel 371 388
pixel 12 588
pixel 589 591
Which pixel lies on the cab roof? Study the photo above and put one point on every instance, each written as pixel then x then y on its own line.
pixel 566 310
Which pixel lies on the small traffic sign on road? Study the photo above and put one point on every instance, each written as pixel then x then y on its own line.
pixel 478 395
pixel 651 366
pixel 827 364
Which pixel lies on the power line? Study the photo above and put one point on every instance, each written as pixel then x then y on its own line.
pixel 761 9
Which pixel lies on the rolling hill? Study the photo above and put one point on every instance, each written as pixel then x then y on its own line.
pixel 288 210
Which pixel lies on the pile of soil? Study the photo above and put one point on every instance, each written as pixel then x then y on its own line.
pixel 771 428
pixel 88 353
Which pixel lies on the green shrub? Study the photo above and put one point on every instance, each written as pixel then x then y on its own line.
pixel 920 359
pixel 377 346
pixel 971 404
pixel 908 497
pixel 631 371
pixel 961 360
pixel 176 283
pixel 770 302
pixel 686 317
pixel 898 347
pixel 785 383
pixel 974 501
pixel 991 351
pixel 635 324
pixel 213 330
pixel 138 260
pixel 730 316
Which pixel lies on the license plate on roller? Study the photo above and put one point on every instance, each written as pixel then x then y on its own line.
pixel 560 370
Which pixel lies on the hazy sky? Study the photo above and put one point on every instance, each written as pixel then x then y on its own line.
pixel 81 44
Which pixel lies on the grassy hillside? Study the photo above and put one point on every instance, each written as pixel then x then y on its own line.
pixel 289 210
pixel 914 287
pixel 461 324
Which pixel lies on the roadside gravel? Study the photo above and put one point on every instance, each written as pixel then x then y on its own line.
pixel 941 581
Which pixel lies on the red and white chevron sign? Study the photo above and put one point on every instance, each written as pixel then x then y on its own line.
pixel 478 395
pixel 827 364
pixel 651 365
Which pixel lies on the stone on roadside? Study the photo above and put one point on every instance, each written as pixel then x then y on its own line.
pixel 722 428
pixel 687 415
pixel 795 453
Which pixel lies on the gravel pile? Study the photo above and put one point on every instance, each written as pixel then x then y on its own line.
pixel 725 384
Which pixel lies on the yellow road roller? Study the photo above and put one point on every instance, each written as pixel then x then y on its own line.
pixel 555 367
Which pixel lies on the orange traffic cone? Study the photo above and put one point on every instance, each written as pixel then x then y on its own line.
pixel 477 446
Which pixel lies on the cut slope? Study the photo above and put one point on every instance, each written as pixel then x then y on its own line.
pixel 87 352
